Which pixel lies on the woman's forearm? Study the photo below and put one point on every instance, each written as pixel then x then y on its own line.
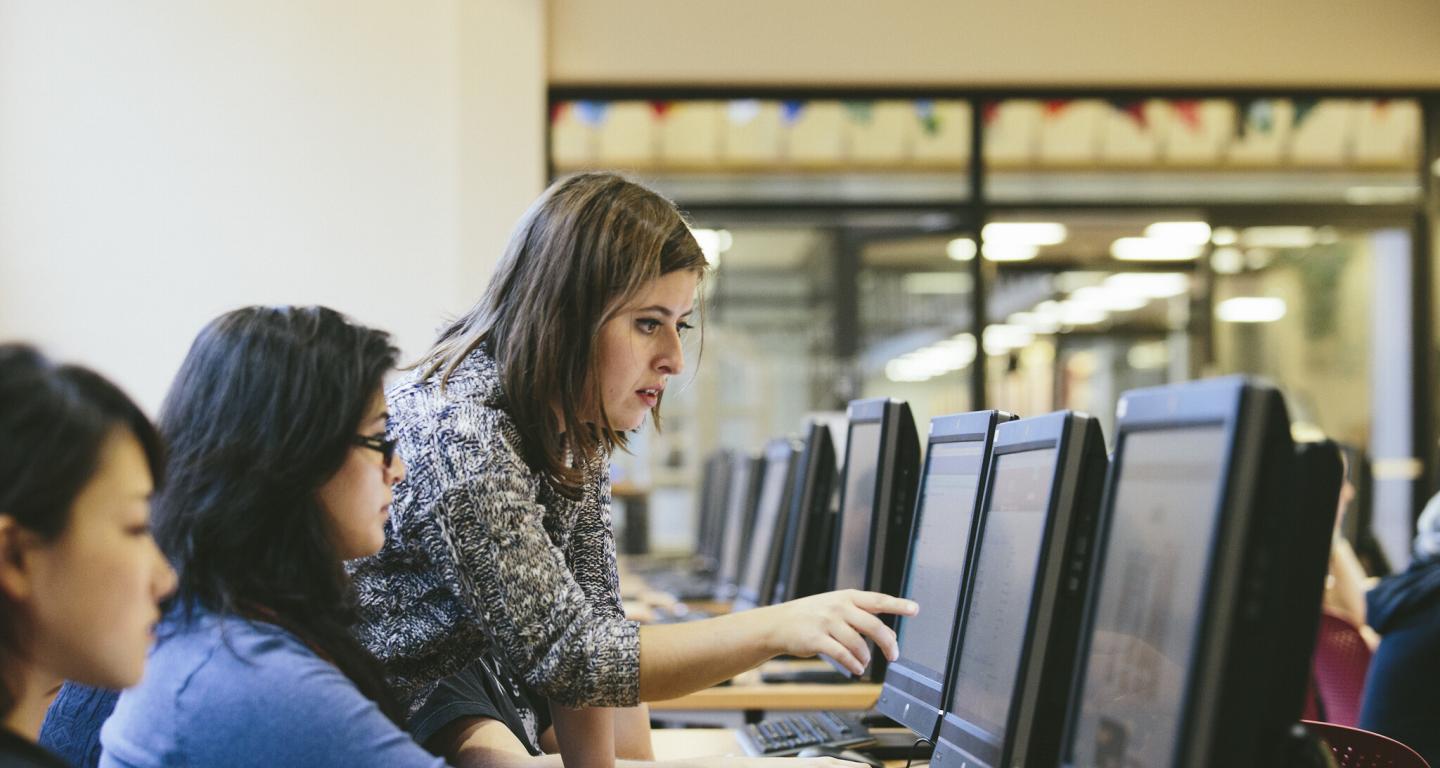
pixel 676 659
pixel 586 736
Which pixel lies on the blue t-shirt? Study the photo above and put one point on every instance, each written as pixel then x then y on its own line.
pixel 224 691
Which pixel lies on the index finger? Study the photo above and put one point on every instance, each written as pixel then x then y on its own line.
pixel 876 602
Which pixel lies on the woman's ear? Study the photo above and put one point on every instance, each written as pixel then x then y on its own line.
pixel 16 544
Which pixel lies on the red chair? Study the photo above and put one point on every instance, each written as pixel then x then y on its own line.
pixel 1337 680
pixel 1354 748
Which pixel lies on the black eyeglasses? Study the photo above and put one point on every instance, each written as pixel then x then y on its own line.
pixel 385 446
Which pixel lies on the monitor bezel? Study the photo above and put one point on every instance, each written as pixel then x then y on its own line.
pixel 1230 403
pixel 810 500
pixel 1039 433
pixel 741 515
pixel 860 412
pixel 911 684
pixel 780 452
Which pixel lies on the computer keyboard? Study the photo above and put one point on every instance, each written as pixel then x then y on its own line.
pixel 787 735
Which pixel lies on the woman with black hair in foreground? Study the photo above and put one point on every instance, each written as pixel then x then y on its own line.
pixel 80 576
pixel 279 471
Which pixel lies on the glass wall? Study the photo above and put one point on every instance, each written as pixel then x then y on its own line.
pixel 1113 244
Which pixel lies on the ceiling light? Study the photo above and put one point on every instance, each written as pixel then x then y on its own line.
pixel 1076 314
pixel 1009 251
pixel 1034 322
pixel 1187 232
pixel 1277 237
pixel 1225 236
pixel 1148 356
pixel 1227 261
pixel 713 242
pixel 1000 339
pixel 1250 309
pixel 1153 285
pixel 1151 249
pixel 922 283
pixel 1028 232
pixel 1108 299
pixel 960 249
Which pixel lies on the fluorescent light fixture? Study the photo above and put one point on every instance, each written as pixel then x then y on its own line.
pixel 1151 285
pixel 1000 338
pixel 713 242
pixel 1034 322
pixel 1027 232
pixel 940 283
pixel 936 359
pixel 1075 314
pixel 1009 251
pixel 1108 299
pixel 1186 232
pixel 1227 261
pixel 960 249
pixel 1148 356
pixel 1278 237
pixel 1151 249
pixel 1250 309
pixel 1225 236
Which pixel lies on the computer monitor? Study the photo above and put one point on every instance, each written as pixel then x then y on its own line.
pixel 1014 654
pixel 877 502
pixel 956 458
pixel 710 525
pixel 805 553
pixel 746 473
pixel 1319 475
pixel 1193 552
pixel 771 520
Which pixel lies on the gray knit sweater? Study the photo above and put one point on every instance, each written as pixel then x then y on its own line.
pixel 482 552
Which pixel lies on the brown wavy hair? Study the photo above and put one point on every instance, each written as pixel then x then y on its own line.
pixel 586 248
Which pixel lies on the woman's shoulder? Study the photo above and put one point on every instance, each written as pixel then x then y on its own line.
pixel 219 681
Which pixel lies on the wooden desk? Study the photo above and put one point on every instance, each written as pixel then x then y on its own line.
pixel 762 697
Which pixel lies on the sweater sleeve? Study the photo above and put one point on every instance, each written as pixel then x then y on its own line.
pixel 534 610
pixel 592 548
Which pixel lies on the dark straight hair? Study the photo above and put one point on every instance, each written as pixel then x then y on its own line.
pixel 262 413
pixel 54 421
pixel 589 245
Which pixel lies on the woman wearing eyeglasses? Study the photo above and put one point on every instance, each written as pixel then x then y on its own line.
pixel 279 471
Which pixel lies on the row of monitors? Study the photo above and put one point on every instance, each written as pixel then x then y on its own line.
pixel 769 522
pixel 1157 608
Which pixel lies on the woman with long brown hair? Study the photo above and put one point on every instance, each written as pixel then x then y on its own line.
pixel 500 540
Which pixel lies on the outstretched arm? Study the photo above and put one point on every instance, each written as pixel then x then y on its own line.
pixel 676 659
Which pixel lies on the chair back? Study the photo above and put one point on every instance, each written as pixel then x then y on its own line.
pixel 1355 748
pixel 1341 662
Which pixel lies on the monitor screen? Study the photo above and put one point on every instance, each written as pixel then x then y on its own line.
pixel 947 509
pixel 767 521
pixel 861 469
pixel 735 513
pixel 1148 608
pixel 1000 595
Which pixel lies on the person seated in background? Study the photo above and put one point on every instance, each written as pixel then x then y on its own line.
pixel 81 579
pixel 279 471
pixel 1400 700
pixel 1347 582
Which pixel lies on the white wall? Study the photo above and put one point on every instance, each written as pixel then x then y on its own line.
pixel 984 42
pixel 163 161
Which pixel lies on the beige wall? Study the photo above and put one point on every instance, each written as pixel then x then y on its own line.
pixel 970 42
pixel 161 162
